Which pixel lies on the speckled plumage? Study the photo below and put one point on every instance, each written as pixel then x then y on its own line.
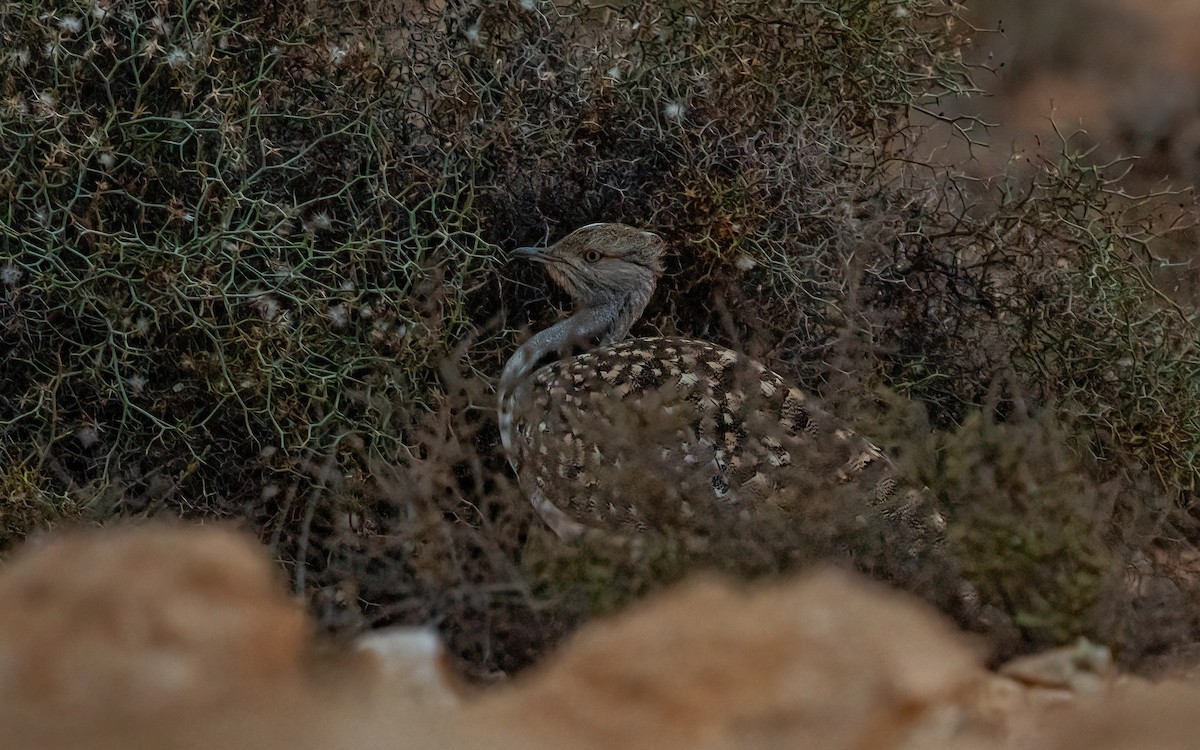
pixel 623 435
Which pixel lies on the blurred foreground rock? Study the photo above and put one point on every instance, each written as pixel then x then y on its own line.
pixel 823 661
pixel 172 637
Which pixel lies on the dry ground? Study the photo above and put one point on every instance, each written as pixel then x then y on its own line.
pixel 1117 78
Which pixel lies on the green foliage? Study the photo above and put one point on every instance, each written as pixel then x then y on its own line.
pixel 26 504
pixel 598 577
pixel 1027 526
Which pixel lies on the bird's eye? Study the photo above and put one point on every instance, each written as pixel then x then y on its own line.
pixel 591 256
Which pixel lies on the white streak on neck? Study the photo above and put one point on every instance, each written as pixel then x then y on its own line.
pixel 586 326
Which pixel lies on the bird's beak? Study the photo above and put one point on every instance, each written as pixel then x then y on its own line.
pixel 535 254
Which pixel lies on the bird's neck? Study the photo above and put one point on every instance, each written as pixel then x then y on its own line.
pixel 588 328
pixel 582 331
pixel 585 330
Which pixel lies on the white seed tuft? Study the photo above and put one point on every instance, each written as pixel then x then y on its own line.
pixel 87 436
pixel 177 58
pixel 339 317
pixel 136 384
pixel 11 274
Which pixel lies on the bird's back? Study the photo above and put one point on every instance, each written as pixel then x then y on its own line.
pixel 635 434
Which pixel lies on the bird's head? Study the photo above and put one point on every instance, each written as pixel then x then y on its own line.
pixel 602 264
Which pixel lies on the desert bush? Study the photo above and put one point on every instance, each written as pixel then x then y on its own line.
pixel 1046 286
pixel 211 275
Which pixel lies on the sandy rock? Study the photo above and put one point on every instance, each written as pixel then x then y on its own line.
pixel 827 661
pixel 171 636
pixel 145 618
pixel 1137 716
pixel 1084 667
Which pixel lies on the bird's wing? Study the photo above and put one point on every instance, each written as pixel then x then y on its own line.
pixel 636 433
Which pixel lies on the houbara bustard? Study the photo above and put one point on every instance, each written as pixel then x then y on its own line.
pixel 621 434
